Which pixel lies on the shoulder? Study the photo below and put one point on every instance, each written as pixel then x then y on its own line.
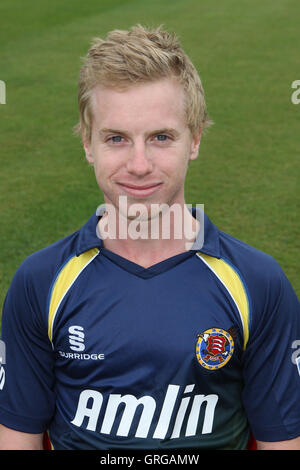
pixel 268 289
pixel 27 296
pixel 251 264
pixel 48 259
pixel 33 278
pixel 254 265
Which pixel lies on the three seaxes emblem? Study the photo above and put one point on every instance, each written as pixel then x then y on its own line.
pixel 214 348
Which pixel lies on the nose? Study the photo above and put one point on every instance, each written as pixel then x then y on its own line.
pixel 139 162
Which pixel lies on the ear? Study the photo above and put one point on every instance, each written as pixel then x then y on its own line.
pixel 195 144
pixel 88 151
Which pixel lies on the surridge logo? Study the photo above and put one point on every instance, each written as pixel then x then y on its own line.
pixel 76 338
pixel 127 413
pixel 77 344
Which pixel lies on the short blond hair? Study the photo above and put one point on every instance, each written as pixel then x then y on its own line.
pixel 140 55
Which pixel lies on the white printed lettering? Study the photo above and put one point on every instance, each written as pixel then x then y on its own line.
pixel 96 399
pixel 166 412
pixel 131 404
pixel 2 377
pixel 123 409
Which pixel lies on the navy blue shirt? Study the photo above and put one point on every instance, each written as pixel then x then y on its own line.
pixel 194 351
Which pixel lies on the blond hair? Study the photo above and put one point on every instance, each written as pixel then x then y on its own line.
pixel 140 55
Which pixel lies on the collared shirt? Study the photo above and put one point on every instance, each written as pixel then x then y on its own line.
pixel 195 351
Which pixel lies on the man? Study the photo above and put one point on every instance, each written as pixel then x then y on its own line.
pixel 119 341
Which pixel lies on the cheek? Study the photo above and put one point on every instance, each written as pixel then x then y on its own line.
pixel 107 170
pixel 101 172
pixel 102 163
pixel 175 164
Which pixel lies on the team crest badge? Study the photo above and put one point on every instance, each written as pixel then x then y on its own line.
pixel 214 348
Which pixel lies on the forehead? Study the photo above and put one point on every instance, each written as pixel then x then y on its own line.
pixel 160 103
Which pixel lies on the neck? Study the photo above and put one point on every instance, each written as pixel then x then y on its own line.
pixel 147 241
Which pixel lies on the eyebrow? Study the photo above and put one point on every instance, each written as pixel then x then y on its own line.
pixel 165 130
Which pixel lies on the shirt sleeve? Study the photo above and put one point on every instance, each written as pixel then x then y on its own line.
pixel 271 374
pixel 27 387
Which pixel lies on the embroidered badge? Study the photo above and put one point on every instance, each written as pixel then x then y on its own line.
pixel 214 348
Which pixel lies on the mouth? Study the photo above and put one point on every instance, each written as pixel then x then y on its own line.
pixel 140 191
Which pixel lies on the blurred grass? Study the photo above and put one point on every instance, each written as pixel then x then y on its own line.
pixel 247 173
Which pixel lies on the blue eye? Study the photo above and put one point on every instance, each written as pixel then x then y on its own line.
pixel 162 137
pixel 116 138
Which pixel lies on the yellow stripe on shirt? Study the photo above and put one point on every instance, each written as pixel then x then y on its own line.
pixel 65 279
pixel 234 285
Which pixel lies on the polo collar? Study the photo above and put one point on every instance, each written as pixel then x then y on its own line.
pixel 208 243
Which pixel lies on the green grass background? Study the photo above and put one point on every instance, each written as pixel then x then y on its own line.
pixel 247 173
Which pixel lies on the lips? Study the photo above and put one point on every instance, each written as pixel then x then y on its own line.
pixel 140 190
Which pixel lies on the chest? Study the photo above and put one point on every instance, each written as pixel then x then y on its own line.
pixel 145 328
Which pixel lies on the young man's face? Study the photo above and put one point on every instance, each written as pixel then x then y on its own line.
pixel 140 144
